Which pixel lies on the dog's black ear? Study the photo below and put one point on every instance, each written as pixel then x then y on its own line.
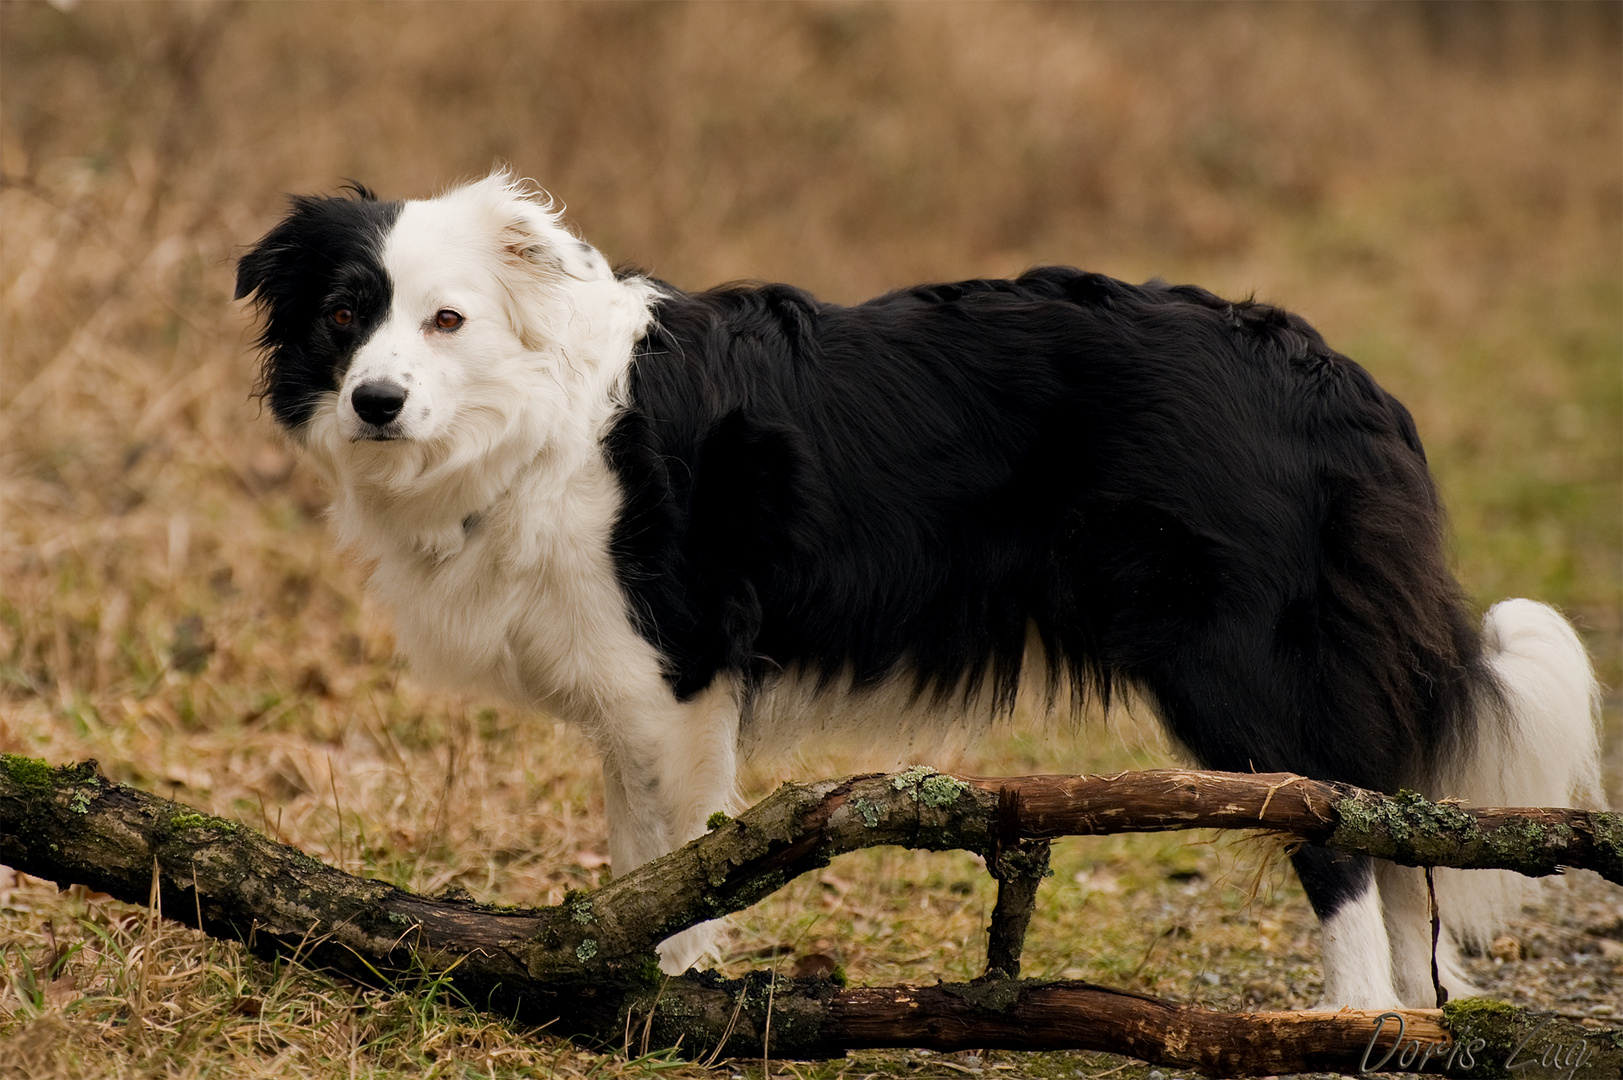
pixel 259 268
pixel 254 269
pixel 310 219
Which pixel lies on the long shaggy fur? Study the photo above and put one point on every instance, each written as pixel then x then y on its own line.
pixel 681 519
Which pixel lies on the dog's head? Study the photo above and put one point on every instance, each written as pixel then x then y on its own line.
pixel 382 317
pixel 405 339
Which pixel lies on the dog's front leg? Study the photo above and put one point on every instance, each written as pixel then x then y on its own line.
pixel 669 770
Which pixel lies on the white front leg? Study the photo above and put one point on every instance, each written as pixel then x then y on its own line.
pixel 664 774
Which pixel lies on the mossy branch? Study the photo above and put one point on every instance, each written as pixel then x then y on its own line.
pixel 587 963
pixel 1405 828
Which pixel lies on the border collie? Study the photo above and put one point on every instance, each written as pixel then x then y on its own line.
pixel 697 524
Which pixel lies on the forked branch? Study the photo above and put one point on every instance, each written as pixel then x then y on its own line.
pixel 587 963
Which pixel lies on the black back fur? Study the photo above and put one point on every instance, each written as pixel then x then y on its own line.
pixel 1198 497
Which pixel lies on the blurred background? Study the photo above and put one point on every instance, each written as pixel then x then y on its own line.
pixel 1438 187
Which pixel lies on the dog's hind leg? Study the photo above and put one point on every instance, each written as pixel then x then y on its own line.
pixel 667 772
pixel 1535 743
pixel 1406 906
pixel 1238 703
pixel 1353 935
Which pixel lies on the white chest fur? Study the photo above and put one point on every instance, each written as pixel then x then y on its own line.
pixel 529 607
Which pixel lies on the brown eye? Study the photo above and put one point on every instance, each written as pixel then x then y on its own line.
pixel 343 316
pixel 446 319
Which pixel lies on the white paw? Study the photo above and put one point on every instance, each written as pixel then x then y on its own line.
pixel 681 951
pixel 1330 1005
pixel 1359 995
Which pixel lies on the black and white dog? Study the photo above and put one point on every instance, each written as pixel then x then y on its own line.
pixel 699 524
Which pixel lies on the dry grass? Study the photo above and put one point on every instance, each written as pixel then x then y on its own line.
pixel 1438 188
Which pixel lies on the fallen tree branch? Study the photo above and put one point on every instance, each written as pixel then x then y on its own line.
pixel 1404 828
pixel 587 962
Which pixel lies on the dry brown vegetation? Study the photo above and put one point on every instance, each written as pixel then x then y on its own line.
pixel 1439 188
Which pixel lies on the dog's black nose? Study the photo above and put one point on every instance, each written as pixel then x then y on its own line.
pixel 378 402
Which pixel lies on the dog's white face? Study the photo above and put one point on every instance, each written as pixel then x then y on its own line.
pixel 421 352
pixel 466 320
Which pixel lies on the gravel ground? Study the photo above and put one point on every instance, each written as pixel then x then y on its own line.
pixel 1565 955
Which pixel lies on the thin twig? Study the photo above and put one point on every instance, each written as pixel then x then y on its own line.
pixel 1436 931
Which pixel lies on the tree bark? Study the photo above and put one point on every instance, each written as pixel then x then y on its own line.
pixel 1405 828
pixel 587 963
